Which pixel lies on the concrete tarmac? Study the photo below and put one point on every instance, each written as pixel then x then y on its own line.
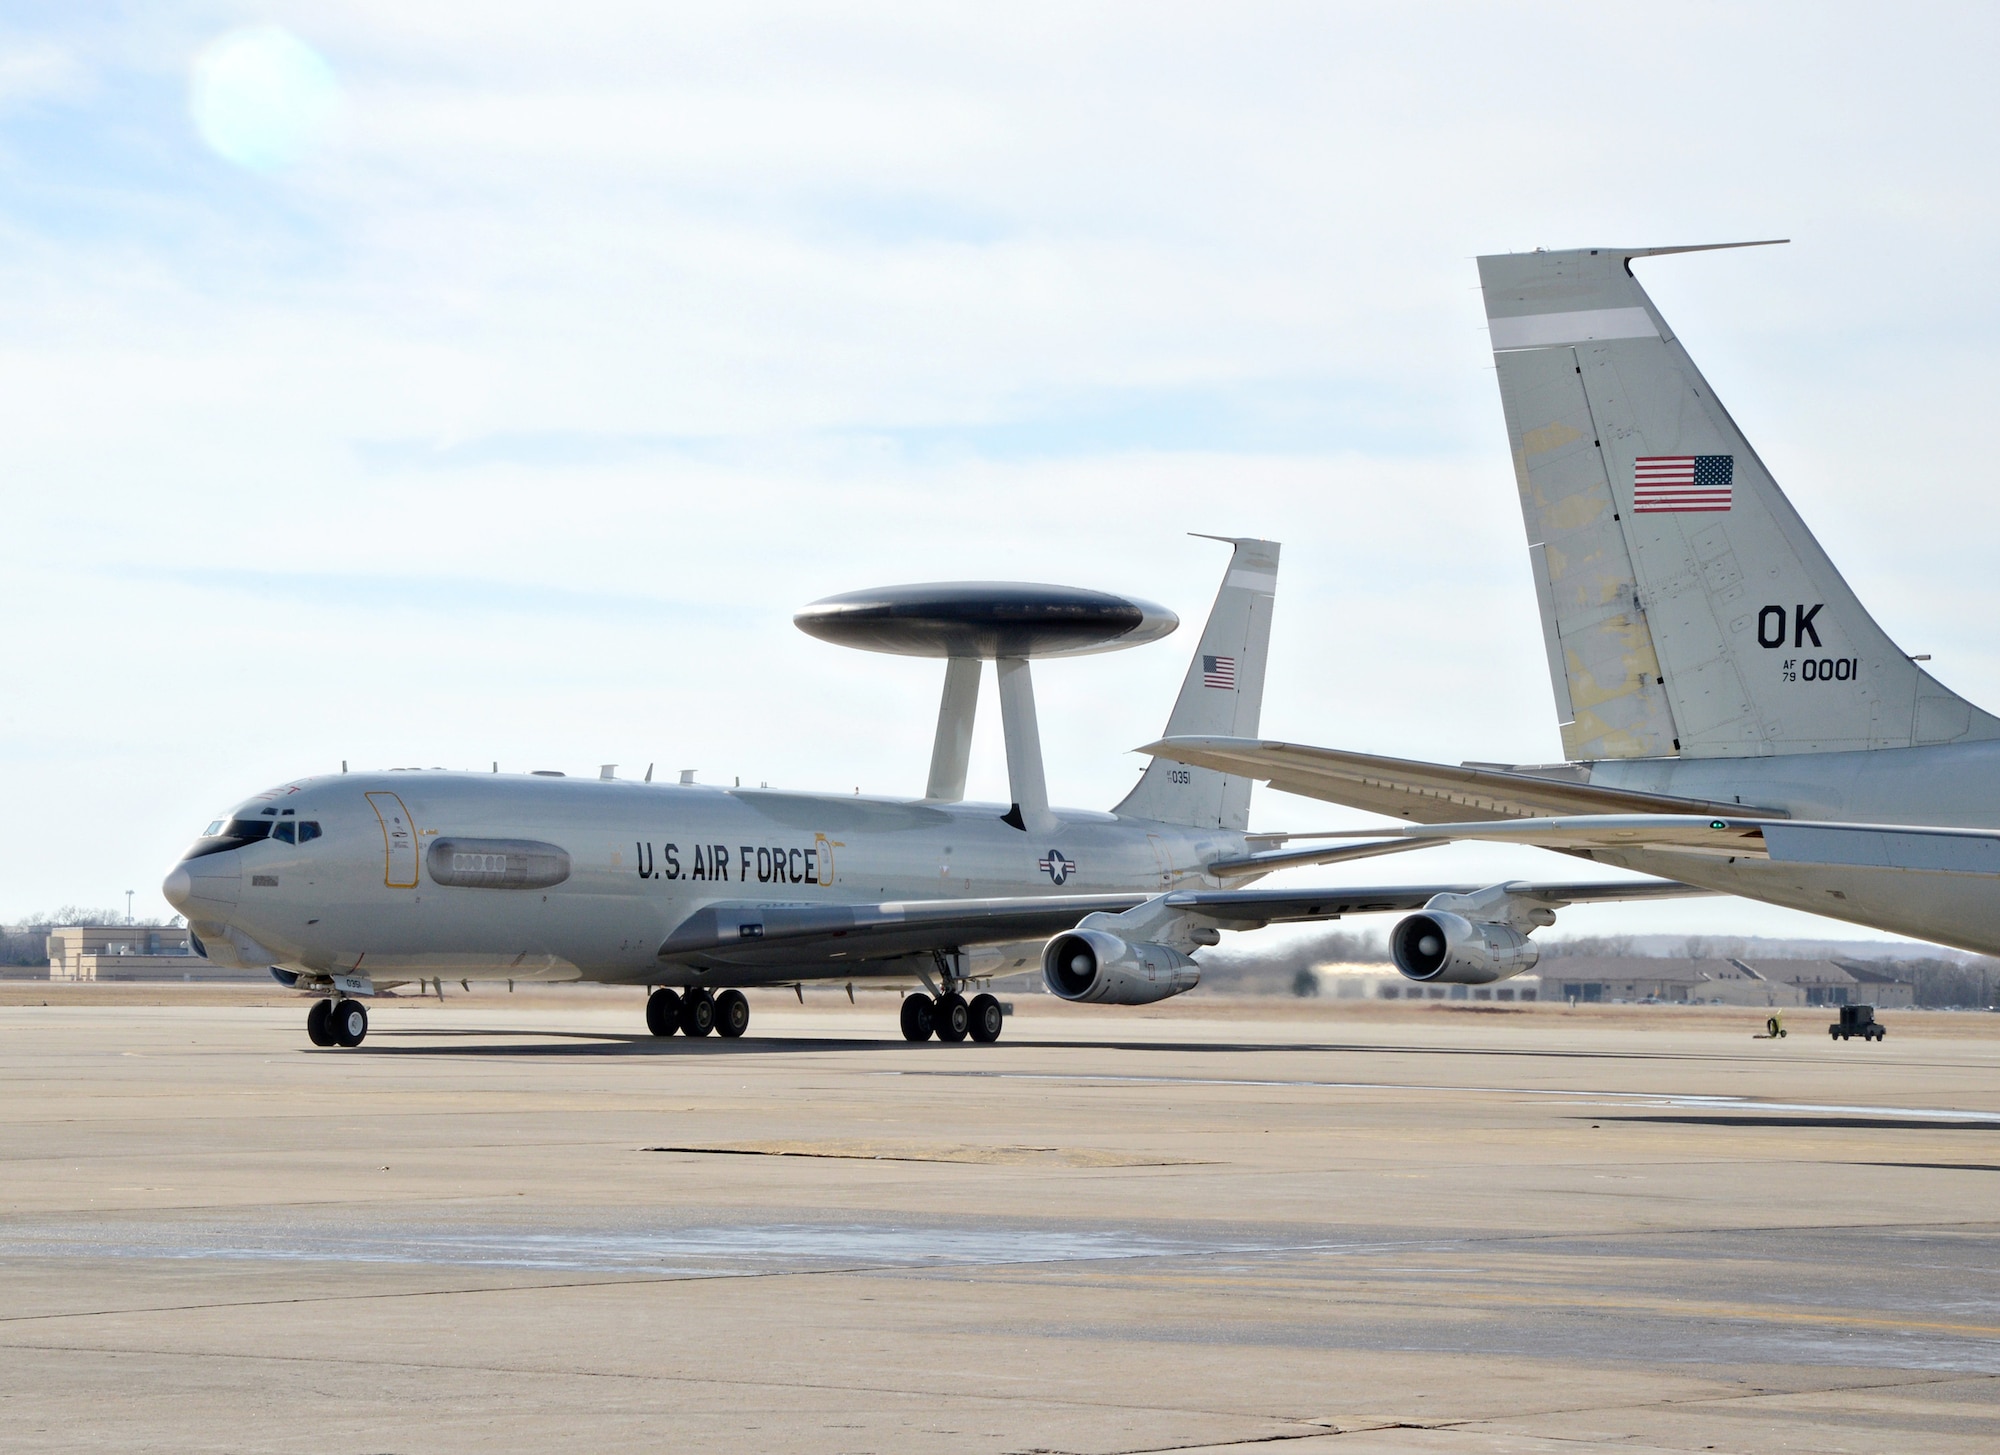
pixel 524 1224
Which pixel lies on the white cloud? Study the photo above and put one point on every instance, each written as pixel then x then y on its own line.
pixel 37 71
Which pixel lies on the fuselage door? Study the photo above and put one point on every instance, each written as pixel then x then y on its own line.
pixel 1163 857
pixel 399 841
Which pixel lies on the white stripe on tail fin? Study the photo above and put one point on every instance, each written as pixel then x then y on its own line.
pixel 1686 607
pixel 1222 695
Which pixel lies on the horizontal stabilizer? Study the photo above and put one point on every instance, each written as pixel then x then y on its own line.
pixel 1422 792
pixel 1781 841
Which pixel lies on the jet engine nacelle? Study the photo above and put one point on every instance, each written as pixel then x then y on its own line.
pixel 1448 949
pixel 1098 967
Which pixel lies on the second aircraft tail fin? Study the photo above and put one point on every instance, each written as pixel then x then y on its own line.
pixel 1222 695
pixel 1686 607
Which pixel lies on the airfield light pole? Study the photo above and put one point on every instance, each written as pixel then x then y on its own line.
pixel 128 906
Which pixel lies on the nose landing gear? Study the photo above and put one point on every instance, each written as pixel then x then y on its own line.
pixel 337 1023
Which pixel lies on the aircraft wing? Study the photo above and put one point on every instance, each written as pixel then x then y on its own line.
pixel 1249 909
pixel 825 939
pixel 832 935
pixel 1782 841
pixel 1427 793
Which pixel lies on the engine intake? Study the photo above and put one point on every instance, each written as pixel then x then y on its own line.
pixel 1449 949
pixel 1099 968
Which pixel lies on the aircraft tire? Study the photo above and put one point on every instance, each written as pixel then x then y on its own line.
pixel 319 1023
pixel 663 1012
pixel 697 1013
pixel 919 1017
pixel 985 1019
pixel 350 1023
pixel 954 1018
pixel 732 1014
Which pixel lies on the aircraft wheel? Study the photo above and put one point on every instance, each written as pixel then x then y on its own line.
pixel 697 1013
pixel 986 1018
pixel 663 1012
pixel 954 1018
pixel 319 1023
pixel 732 1014
pixel 350 1023
pixel 919 1017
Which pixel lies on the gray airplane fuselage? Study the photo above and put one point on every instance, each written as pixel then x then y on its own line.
pixel 1952 785
pixel 395 885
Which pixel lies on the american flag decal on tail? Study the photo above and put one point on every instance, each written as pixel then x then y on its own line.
pixel 1662 483
pixel 1218 672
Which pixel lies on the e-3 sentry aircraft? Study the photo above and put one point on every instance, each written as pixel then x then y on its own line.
pixel 1731 714
pixel 349 883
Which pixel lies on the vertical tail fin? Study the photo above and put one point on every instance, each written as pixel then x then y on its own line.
pixel 1686 607
pixel 1223 694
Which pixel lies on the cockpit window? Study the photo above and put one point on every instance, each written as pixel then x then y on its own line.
pixel 308 831
pixel 233 834
pixel 285 833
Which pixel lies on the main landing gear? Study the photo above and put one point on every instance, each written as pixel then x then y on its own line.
pixel 697 1013
pixel 951 1017
pixel 337 1023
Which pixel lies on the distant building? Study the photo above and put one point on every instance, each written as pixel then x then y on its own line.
pixel 1381 982
pixel 1589 979
pixel 1521 987
pixel 132 952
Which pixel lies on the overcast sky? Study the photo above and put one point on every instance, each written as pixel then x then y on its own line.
pixel 436 384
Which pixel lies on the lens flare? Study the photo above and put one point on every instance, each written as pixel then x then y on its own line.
pixel 262 98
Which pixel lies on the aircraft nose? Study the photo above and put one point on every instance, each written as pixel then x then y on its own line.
pixel 204 888
pixel 178 888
